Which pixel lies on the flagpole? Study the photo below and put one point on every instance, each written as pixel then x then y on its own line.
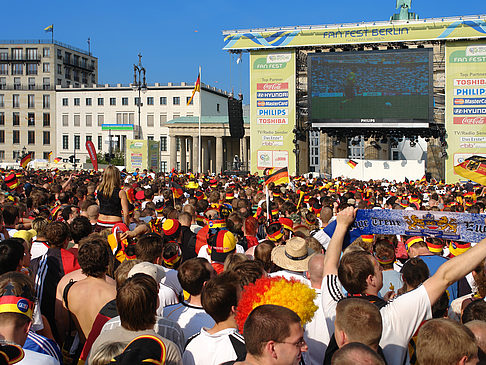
pixel 52 33
pixel 200 112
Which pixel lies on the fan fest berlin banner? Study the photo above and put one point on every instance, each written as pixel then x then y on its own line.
pixel 465 103
pixel 463 227
pixel 272 110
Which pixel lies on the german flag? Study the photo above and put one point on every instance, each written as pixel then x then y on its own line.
pixel 473 168
pixel 197 88
pixel 176 190
pixel 279 177
pixel 12 181
pixel 352 163
pixel 57 159
pixel 25 160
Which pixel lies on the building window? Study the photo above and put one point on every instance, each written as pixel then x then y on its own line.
pixel 45 155
pixel 89 138
pixel 356 148
pixel 46 101
pixel 17 69
pixel 191 99
pixel 77 120
pixel 16 100
pixel 2 118
pixel 150 100
pixel 65 102
pixel 59 54
pixel 31 137
pixel 32 53
pixel 32 69
pixel 176 100
pixel 77 102
pixel 88 101
pixel 46 120
pixel 30 101
pixel 65 120
pixel 77 142
pixel 4 54
pixel 101 119
pixel 31 83
pixel 124 118
pixel 175 115
pixel 46 52
pixel 2 101
pixel 150 120
pixel 163 166
pixel 46 67
pixel 67 72
pixel 218 108
pixel 31 119
pixel 101 101
pixel 2 155
pixel 112 101
pixel 59 69
pixel 46 137
pixel 16 118
pixel 4 69
pixel 65 142
pixel 124 101
pixel 136 101
pixel 163 143
pixel 163 100
pixel 2 136
pixel 16 137
pixel 89 120
pixel 17 85
pixel 59 82
pixel 163 119
pixel 150 138
pixel 46 83
pixel 100 143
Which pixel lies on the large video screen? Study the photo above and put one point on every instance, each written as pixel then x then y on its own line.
pixel 371 86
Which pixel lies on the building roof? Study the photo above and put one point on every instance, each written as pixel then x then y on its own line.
pixel 45 41
pixel 206 119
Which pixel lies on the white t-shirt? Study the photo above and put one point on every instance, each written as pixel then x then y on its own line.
pixel 191 318
pixel 214 349
pixel 38 249
pixel 203 251
pixel 35 358
pixel 170 290
pixel 317 335
pixel 401 318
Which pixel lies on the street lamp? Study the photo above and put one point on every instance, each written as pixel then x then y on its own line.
pixel 140 86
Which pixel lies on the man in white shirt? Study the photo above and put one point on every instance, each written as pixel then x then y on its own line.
pixel 189 314
pixel 316 331
pixel 222 342
pixel 360 274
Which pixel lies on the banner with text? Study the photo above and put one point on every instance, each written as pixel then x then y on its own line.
pixel 465 113
pixel 272 110
pixel 463 227
pixel 424 29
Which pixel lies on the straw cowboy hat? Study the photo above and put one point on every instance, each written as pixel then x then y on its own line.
pixel 293 256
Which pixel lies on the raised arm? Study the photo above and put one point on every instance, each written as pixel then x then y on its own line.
pixel 344 220
pixel 453 270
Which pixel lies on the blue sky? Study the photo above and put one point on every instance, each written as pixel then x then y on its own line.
pixel 175 37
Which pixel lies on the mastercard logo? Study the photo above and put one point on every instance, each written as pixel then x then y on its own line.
pixel 459 101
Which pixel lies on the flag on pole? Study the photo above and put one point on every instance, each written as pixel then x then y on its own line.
pixel 197 88
pixel 50 28
pixel 176 190
pixel 25 160
pixel 278 177
pixel 473 168
pixel 57 159
pixel 352 164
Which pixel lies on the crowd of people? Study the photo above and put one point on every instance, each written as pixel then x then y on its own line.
pixel 117 267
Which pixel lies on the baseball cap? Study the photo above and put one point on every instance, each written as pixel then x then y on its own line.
pixel 154 271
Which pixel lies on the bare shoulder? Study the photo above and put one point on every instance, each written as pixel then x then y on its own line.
pixel 75 275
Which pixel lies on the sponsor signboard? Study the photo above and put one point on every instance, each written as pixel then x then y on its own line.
pixel 376 32
pixel 142 154
pixel 465 103
pixel 272 111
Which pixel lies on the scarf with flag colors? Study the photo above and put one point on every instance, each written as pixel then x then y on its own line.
pixel 197 88
pixel 25 160
pixel 278 177
pixel 352 163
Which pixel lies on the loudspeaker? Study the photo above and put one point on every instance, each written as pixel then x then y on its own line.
pixel 235 115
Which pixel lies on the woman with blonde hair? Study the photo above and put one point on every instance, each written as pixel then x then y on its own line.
pixel 112 200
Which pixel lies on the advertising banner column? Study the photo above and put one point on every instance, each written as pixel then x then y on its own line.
pixel 465 103
pixel 272 110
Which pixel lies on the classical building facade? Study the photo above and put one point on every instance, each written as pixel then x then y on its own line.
pixel 29 71
pixel 104 113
